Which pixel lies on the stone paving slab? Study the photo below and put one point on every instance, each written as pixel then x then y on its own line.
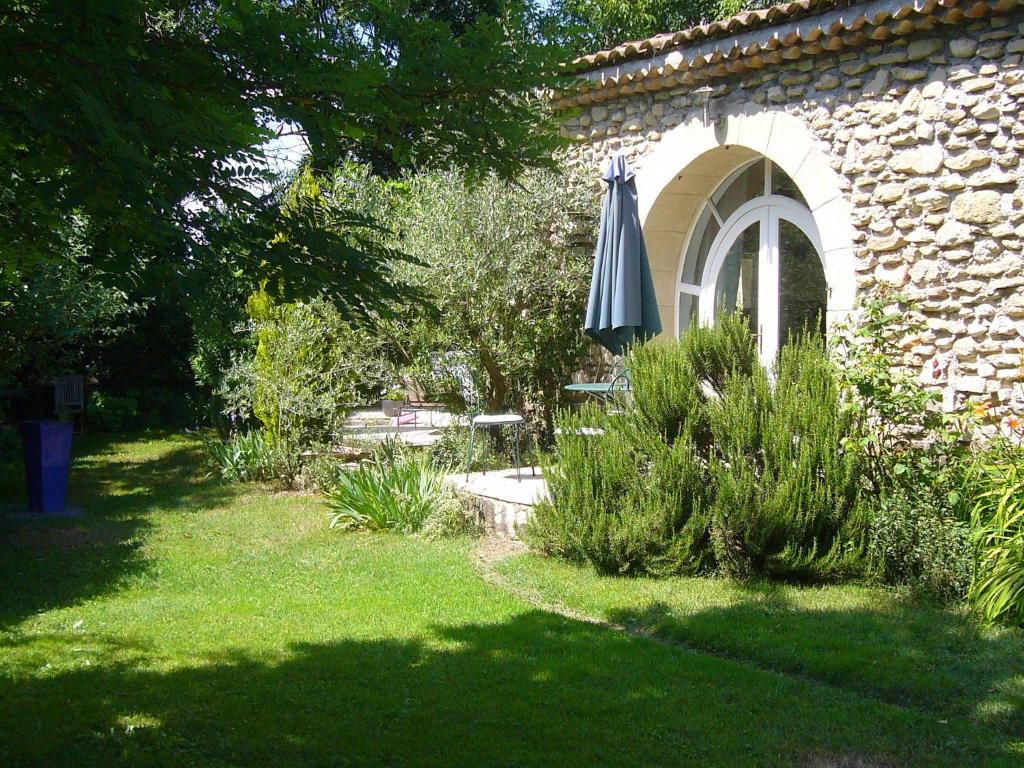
pixel 501 485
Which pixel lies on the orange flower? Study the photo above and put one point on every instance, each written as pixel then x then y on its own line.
pixel 981 409
pixel 1013 422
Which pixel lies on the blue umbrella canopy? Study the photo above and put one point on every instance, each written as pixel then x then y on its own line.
pixel 622 307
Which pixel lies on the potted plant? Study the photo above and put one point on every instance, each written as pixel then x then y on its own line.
pixel 392 401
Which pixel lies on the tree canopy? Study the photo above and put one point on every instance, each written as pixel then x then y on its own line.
pixel 146 121
pixel 592 25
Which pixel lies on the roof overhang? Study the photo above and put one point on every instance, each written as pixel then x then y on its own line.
pixel 694 56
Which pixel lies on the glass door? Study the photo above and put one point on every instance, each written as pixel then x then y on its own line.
pixel 764 264
pixel 803 292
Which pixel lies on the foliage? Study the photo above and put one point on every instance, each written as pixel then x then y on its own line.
pixel 396 491
pixel 246 457
pixel 997 521
pixel 125 188
pixel 308 368
pixel 921 546
pixel 786 492
pixel 58 313
pixel 592 25
pixel 111 413
pixel 448 520
pixel 622 499
pixel 111 130
pixel 916 456
pixel 321 473
pixel 711 465
pixel 450 450
pixel 906 436
pixel 671 384
pixel 506 269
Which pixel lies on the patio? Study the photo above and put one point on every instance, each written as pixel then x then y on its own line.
pixel 418 428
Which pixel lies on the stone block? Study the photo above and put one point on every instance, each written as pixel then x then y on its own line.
pixel 920 160
pixel 963 47
pixel 982 207
pixel 965 161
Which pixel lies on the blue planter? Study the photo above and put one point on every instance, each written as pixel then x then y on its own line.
pixel 47 447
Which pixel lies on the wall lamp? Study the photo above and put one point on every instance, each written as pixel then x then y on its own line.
pixel 704 95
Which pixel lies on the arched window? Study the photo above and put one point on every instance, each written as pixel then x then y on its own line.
pixel 755 250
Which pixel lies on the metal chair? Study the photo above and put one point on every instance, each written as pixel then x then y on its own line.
pixel 456 367
pixel 69 397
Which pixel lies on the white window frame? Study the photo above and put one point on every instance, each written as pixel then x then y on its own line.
pixel 767 210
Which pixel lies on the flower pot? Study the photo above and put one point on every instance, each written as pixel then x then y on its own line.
pixel 47 450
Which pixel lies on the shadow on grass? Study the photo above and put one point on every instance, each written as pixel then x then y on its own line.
pixel 902 652
pixel 534 690
pixel 52 563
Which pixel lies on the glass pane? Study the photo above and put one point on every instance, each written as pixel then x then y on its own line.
pixel 687 311
pixel 803 292
pixel 785 186
pixel 697 251
pixel 736 287
pixel 745 187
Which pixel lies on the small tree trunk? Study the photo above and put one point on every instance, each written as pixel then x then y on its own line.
pixel 498 385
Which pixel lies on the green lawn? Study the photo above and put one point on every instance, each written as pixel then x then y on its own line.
pixel 880 643
pixel 184 622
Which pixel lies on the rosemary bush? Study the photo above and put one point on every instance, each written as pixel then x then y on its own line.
pixel 787 493
pixel 622 498
pixel 711 466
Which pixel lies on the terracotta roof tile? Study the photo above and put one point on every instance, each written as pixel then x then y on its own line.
pixel 741 22
pixel 668 60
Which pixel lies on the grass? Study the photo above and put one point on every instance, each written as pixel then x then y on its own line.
pixel 185 622
pixel 879 643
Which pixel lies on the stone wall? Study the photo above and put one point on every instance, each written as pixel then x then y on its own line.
pixel 927 137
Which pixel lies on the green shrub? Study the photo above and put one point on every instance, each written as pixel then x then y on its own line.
pixel 307 370
pixel 448 520
pixel 621 498
pixel 786 501
pixel 247 457
pixel 711 465
pixel 322 473
pixel 998 528
pixel 111 413
pixel 396 491
pixel 915 542
pixel 449 452
pixel 916 457
pixel 720 351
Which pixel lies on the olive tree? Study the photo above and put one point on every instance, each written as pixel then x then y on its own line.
pixel 505 268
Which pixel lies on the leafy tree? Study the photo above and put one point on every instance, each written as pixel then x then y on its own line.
pixel 58 313
pixel 592 25
pixel 148 120
pixel 506 268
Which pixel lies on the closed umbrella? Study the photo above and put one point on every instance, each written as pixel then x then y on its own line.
pixel 622 307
